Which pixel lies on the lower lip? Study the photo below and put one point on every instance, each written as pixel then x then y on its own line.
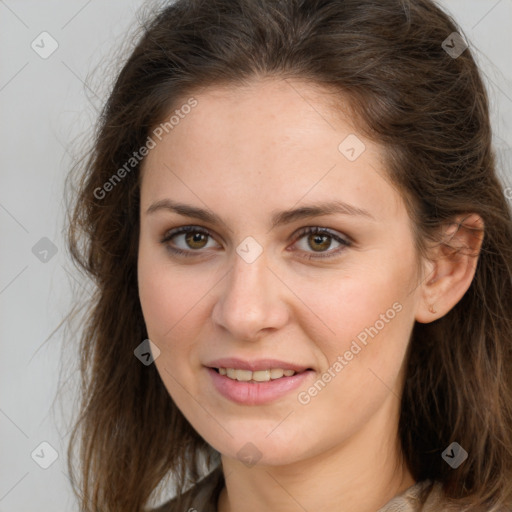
pixel 256 393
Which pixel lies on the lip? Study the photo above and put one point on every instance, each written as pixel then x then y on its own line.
pixel 256 393
pixel 259 364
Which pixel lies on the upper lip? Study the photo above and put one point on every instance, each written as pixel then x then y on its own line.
pixel 258 364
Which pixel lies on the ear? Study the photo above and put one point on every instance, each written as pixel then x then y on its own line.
pixel 452 264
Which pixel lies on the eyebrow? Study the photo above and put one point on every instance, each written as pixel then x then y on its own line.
pixel 279 218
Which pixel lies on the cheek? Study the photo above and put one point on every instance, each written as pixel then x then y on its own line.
pixel 363 359
pixel 169 296
pixel 174 305
pixel 171 307
pixel 368 314
pixel 350 302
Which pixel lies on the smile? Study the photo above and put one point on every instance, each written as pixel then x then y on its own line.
pixel 256 376
pixel 243 388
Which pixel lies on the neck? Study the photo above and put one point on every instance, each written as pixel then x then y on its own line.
pixel 360 475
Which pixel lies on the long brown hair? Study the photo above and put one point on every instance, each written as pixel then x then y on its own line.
pixel 427 108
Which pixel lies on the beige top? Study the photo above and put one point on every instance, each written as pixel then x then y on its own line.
pixel 203 497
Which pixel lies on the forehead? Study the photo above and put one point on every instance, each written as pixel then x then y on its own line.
pixel 265 114
pixel 276 140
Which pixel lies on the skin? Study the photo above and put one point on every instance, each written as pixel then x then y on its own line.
pixel 244 153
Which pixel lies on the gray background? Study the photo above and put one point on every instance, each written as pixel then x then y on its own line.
pixel 48 107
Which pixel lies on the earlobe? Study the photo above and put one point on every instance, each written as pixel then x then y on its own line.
pixel 455 259
pixel 432 309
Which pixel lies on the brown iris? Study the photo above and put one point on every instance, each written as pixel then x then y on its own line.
pixel 195 237
pixel 323 240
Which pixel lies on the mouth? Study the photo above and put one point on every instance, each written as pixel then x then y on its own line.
pixel 258 382
pixel 266 375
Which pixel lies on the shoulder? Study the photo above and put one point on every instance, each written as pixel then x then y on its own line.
pixel 202 497
pixel 411 500
pixel 424 496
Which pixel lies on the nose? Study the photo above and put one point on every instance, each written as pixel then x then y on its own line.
pixel 251 301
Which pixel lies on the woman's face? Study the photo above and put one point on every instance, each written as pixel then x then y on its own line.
pixel 254 290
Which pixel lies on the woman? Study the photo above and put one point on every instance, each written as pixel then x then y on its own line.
pixel 303 257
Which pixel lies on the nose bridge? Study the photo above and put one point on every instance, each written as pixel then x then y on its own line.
pixel 249 301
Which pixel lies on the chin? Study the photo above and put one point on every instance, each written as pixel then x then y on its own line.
pixel 260 450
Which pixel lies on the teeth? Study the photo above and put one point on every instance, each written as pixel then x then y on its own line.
pixel 276 373
pixel 261 375
pixel 257 376
pixel 243 375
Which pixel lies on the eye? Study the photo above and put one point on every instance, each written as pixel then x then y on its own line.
pixel 193 239
pixel 319 240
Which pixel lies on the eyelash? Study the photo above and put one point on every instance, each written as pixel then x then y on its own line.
pixel 303 232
